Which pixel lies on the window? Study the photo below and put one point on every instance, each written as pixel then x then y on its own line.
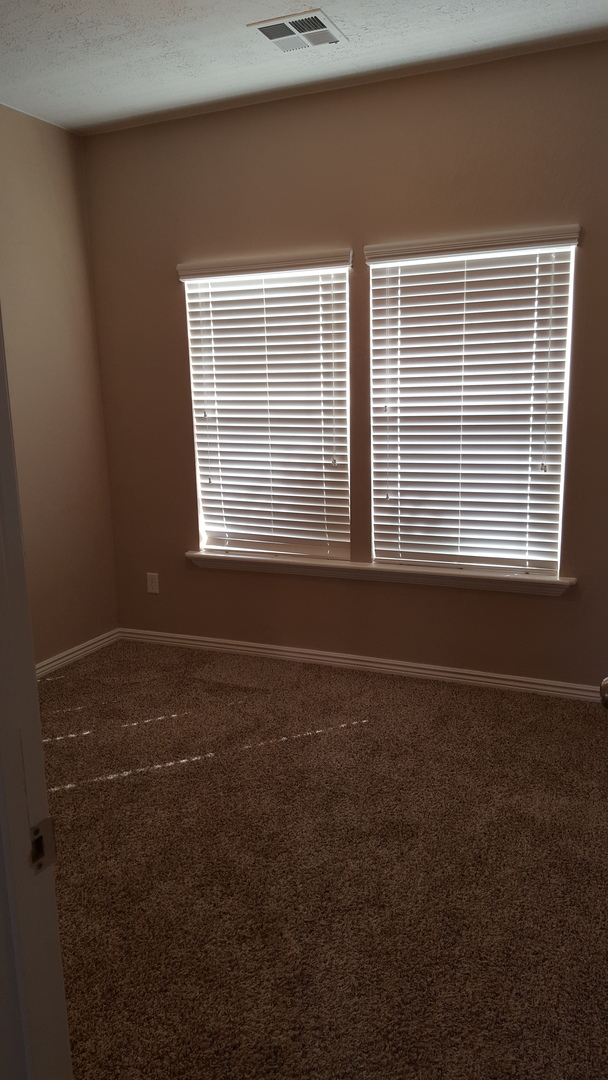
pixel 470 370
pixel 469 379
pixel 268 358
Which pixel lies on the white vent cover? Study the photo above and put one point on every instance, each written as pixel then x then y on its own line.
pixel 300 31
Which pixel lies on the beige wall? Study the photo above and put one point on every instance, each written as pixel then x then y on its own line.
pixel 54 385
pixel 514 144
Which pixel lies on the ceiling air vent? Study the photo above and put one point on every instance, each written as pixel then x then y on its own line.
pixel 300 31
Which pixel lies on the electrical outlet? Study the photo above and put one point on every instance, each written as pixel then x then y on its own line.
pixel 152 580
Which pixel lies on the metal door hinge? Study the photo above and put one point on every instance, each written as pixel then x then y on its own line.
pixel 42 853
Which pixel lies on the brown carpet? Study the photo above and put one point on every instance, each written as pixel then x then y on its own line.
pixel 269 869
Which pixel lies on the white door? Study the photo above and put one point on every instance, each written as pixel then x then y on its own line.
pixel 34 1043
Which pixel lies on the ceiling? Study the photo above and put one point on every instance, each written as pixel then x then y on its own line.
pixel 83 64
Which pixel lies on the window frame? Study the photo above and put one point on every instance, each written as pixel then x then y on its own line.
pixel 507 579
pixel 469 369
pixel 250 394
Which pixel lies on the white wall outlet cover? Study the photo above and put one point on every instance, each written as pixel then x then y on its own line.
pixel 152 583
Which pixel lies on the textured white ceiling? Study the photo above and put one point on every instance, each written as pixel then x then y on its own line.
pixel 81 63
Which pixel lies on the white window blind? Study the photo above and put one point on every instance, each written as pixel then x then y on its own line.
pixel 269 385
pixel 470 370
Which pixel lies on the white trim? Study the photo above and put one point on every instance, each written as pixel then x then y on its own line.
pixel 404 573
pixel 341 258
pixel 35 1038
pixel 77 652
pixel 370 663
pixel 561 234
pixel 317 656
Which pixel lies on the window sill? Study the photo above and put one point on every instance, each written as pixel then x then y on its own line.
pixel 519 581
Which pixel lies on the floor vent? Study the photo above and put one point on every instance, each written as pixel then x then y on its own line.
pixel 300 31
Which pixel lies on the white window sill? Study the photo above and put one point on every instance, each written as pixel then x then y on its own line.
pixel 520 581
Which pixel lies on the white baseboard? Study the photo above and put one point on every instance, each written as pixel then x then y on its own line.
pixel 77 652
pixel 317 656
pixel 370 663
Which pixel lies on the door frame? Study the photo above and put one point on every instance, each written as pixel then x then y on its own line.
pixel 34 1034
